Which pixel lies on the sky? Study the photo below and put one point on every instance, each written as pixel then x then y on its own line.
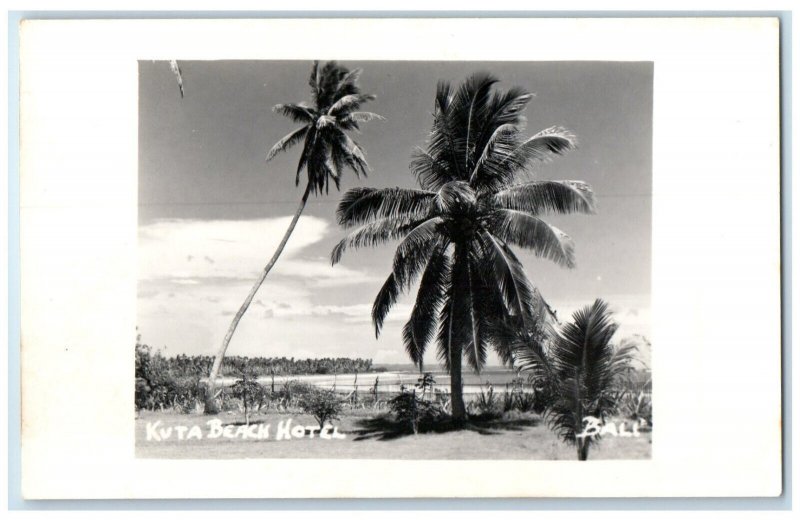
pixel 212 210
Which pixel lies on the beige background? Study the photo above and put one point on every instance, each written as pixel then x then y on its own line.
pixel 716 307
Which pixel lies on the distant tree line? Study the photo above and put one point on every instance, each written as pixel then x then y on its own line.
pixel 184 366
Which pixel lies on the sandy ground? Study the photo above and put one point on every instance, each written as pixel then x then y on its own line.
pixel 521 437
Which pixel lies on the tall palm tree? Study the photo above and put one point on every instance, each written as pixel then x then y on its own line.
pixel 456 231
pixel 581 369
pixel 327 152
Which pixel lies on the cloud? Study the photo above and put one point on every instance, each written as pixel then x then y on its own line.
pixel 186 251
pixel 182 248
pixel 194 275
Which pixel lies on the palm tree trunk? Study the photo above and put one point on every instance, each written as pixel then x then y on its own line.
pixel 456 388
pixel 583 449
pixel 210 405
pixel 455 348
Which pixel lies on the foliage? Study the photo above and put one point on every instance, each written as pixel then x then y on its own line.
pixel 474 202
pixel 582 371
pixel 487 403
pixel 158 388
pixel 541 399
pixel 185 366
pixel 413 411
pixel 333 112
pixel 425 384
pixel 633 398
pixel 251 393
pixel 324 405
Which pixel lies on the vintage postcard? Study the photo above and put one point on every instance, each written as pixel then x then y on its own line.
pixel 533 265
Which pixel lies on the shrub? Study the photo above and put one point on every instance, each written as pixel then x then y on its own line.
pixel 156 386
pixel 251 394
pixel 509 401
pixel 425 384
pixel 292 394
pixel 322 405
pixel 633 398
pixel 412 411
pixel 486 402
pixel 188 394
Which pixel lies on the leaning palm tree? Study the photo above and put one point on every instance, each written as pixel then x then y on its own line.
pixel 581 370
pixel 457 230
pixel 327 152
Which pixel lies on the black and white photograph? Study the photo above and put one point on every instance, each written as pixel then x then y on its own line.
pixel 394 260
pixel 501 258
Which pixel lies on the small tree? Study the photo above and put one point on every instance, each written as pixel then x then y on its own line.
pixel 425 384
pixel 410 409
pixel 323 405
pixel 581 372
pixel 249 391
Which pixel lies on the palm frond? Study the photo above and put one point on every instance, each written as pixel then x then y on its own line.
pixel 415 249
pixel 355 151
pixel 384 301
pixel 349 103
pixel 296 112
pixel 528 231
pixel 372 234
pixel 445 333
pixel 444 144
pixel 476 351
pixel 507 108
pixel 349 152
pixel 287 142
pixel 493 313
pixel 305 155
pixel 431 173
pixel 313 82
pixel 514 286
pixel 361 205
pixel 455 319
pixel 361 117
pixel 176 70
pixel 548 142
pixel 419 330
pixel 411 257
pixel 472 98
pixel 540 197
pixel 498 139
pixel 565 415
pixel 504 110
pixel 348 84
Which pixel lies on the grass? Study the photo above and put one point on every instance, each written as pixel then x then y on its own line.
pixel 370 435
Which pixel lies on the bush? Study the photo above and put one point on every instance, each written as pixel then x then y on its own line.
pixel 156 386
pixel 251 393
pixel 322 405
pixel 188 394
pixel 633 398
pixel 486 403
pixel 292 394
pixel 410 410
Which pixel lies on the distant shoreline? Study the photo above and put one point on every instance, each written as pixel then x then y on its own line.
pixel 388 381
